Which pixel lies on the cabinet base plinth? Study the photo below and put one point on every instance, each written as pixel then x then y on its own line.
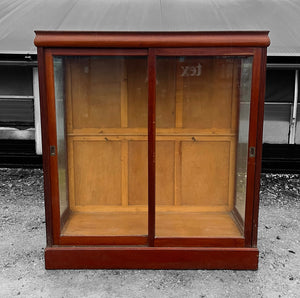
pixel 59 257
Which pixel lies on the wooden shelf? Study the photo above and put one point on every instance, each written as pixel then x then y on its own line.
pixel 125 131
pixel 168 224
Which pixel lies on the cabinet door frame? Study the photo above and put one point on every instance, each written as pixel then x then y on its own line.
pixel 49 129
pixel 50 161
pixel 254 140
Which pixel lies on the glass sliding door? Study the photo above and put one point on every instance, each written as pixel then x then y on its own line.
pixel 102 144
pixel 202 121
pixel 104 139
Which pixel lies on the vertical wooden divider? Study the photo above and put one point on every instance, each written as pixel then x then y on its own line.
pixel 69 140
pixel 124 124
pixel 178 124
pixel 124 161
pixel 151 145
pixel 177 173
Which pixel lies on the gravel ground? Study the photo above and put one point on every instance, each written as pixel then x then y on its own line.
pixel 22 241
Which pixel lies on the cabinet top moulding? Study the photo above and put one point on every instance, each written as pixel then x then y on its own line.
pixel 151 39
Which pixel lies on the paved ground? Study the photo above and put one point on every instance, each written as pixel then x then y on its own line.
pixel 22 240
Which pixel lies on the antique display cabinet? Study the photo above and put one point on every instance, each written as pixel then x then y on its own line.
pixel 152 148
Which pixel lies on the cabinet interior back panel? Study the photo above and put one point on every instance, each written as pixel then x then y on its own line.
pixel 204 105
pixel 110 94
pixel 95 91
pixel 97 173
pixel 205 173
pixel 137 173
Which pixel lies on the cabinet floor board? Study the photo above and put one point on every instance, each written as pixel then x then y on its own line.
pixel 168 224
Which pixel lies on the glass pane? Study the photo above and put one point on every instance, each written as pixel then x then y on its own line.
pixel 61 136
pixel 242 144
pixel 297 141
pixel 198 147
pixel 102 145
pixel 16 110
pixel 277 122
pixel 280 85
pixel 16 80
pixel 279 99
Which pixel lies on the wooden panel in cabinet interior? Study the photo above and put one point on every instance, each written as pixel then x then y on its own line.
pixel 165 93
pixel 97 172
pixel 205 94
pixel 199 92
pixel 206 110
pixel 106 224
pixel 137 173
pixel 176 224
pixel 202 164
pixel 113 172
pixel 165 173
pixel 143 208
pixel 207 99
pixel 187 171
pixel 106 92
pixel 105 172
pixel 171 132
pixel 175 158
pixel 196 225
pixel 137 92
pixel 99 95
pixel 91 83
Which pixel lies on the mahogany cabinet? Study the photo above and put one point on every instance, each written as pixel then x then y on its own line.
pixel 152 148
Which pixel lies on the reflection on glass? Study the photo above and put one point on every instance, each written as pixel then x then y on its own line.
pixel 60 133
pixel 101 110
pixel 242 144
pixel 202 115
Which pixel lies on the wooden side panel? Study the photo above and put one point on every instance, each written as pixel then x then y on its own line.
pixel 205 173
pixel 262 80
pixel 97 173
pixel 52 139
pixel 46 145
